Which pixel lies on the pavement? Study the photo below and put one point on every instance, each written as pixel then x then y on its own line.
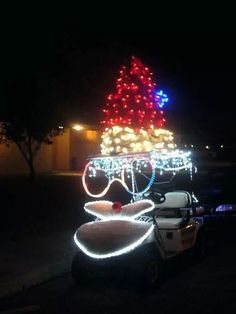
pixel 207 286
pixel 37 225
pixel 46 249
pixel 29 261
pixel 34 258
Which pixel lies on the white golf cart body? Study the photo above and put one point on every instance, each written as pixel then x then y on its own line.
pixel 175 223
pixel 169 226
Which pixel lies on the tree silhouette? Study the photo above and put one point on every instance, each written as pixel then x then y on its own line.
pixel 28 119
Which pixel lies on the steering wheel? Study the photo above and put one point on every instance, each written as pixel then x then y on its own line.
pixel 157 197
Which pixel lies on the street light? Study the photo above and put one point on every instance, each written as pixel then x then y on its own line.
pixel 78 127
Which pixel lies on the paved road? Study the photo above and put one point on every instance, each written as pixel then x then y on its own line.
pixel 205 287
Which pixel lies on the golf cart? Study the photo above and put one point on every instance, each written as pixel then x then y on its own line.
pixel 140 235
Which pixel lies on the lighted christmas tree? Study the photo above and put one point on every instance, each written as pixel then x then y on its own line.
pixel 133 117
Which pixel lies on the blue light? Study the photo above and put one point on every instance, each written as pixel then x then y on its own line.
pixel 161 98
pixel 225 208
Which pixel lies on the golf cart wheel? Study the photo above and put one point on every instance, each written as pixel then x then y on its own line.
pixel 199 249
pixel 152 273
pixel 81 271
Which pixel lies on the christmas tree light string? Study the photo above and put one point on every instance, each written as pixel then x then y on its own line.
pixel 134 139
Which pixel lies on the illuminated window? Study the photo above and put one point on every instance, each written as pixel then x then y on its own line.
pixel 91 135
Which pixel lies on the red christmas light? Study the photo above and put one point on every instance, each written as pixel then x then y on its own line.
pixel 134 98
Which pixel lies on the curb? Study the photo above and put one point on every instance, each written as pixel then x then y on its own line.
pixel 35 277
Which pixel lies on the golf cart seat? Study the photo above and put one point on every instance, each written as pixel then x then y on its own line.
pixel 167 214
pixel 176 199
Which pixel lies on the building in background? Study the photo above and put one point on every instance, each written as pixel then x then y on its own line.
pixel 68 151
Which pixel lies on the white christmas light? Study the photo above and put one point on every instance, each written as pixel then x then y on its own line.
pixel 122 251
pixel 123 215
pixel 116 167
pixel 125 140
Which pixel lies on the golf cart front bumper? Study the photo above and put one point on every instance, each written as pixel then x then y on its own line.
pixel 133 260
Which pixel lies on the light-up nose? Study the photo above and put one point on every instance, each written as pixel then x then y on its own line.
pixel 117 207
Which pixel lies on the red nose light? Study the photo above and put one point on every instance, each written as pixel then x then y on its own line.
pixel 117 207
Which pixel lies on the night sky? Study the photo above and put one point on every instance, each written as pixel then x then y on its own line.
pixel 72 72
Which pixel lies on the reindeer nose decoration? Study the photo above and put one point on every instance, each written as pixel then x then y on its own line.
pixel 117 207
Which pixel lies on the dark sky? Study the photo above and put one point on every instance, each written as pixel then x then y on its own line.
pixel 73 72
